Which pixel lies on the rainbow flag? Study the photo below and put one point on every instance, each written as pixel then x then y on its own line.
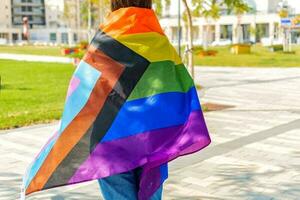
pixel 131 103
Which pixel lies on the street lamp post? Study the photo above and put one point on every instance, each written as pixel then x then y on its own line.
pixel 179 28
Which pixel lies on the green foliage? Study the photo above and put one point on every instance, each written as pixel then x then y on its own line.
pixel 274 48
pixel 204 8
pixel 158 5
pixel 95 14
pixel 211 10
pixel 197 49
pixel 80 54
pixel 237 7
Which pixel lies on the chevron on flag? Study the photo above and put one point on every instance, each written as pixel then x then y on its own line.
pixel 131 103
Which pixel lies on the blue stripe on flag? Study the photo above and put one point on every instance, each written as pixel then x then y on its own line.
pixel 88 76
pixel 155 112
pixel 163 173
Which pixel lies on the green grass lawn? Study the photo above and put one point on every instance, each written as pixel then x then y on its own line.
pixel 260 57
pixel 32 92
pixel 33 50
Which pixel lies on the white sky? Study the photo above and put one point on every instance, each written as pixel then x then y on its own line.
pixel 295 4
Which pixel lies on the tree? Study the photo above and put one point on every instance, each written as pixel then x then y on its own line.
pixel 238 7
pixel 70 13
pixel 195 9
pixel 91 12
pixel 190 38
pixel 210 10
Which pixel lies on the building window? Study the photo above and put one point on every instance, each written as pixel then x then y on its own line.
pixel 26 9
pixel 15 36
pixel 245 32
pixel 226 32
pixel 53 37
pixel 262 31
pixel 64 38
pixel 75 37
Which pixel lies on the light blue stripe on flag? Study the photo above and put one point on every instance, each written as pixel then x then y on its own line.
pixel 88 77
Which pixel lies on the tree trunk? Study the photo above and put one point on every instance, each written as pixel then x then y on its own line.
pixel 89 20
pixel 207 36
pixel 101 11
pixel 239 29
pixel 190 39
pixel 78 15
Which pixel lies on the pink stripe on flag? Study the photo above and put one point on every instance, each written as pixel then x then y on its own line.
pixel 74 83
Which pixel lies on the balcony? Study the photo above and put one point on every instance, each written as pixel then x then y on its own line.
pixel 17 12
pixel 34 3
pixel 34 21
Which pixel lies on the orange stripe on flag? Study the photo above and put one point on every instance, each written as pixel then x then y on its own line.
pixel 130 21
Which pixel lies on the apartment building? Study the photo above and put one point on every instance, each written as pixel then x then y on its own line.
pixel 33 9
pixel 46 22
pixel 262 24
pixel 52 23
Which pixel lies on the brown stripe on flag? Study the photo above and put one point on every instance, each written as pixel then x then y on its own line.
pixel 111 71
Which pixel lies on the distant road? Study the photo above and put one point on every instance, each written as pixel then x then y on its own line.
pixel 35 58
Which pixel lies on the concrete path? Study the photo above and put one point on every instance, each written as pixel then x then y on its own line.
pixel 35 58
pixel 254 154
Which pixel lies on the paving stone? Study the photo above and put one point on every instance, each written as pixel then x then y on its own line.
pixel 254 152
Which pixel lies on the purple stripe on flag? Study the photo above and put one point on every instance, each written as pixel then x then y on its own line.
pixel 151 149
pixel 149 183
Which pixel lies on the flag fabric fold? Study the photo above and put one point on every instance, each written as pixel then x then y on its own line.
pixel 131 103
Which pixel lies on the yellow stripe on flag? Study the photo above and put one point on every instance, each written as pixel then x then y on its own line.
pixel 144 43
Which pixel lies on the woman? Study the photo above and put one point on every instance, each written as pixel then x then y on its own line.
pixel 131 108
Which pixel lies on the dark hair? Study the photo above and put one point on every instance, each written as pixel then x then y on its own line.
pixel 116 4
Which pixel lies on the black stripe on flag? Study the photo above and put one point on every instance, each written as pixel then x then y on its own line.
pixel 135 66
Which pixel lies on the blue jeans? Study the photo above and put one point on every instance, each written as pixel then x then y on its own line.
pixel 124 186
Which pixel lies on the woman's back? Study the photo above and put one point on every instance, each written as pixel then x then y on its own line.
pixel 131 104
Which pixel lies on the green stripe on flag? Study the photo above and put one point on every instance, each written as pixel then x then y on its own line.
pixel 162 77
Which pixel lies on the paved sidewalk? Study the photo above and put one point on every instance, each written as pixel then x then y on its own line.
pixel 254 154
pixel 35 58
